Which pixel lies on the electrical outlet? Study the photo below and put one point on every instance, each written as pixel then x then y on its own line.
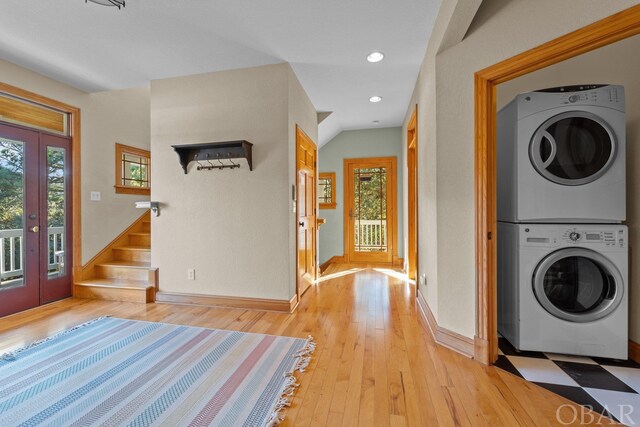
pixel 423 280
pixel 95 196
pixel 191 274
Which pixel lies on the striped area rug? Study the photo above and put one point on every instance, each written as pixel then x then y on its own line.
pixel 116 372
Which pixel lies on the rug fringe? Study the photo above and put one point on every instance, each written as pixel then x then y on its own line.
pixel 12 355
pixel 291 384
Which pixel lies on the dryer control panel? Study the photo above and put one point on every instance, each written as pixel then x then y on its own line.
pixel 611 96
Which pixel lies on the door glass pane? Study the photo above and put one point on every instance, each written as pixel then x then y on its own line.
pixel 583 147
pixel 370 209
pixel 577 284
pixel 56 211
pixel 11 214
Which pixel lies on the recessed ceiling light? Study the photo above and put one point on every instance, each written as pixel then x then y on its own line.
pixel 375 99
pixel 376 122
pixel 375 57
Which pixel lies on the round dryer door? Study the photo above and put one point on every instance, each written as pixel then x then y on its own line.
pixel 578 285
pixel 573 148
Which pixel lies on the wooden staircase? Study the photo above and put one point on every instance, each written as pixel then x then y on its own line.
pixel 122 271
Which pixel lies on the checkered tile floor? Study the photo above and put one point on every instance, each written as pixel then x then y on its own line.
pixel 610 387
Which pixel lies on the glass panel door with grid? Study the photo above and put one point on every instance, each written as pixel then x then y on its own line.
pixel 371 208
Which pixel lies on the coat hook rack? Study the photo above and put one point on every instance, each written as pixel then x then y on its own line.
pixel 228 151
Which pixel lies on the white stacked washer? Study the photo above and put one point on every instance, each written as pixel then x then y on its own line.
pixel 562 252
pixel 563 288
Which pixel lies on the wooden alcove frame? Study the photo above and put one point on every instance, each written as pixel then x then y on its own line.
pixel 76 191
pixel 609 30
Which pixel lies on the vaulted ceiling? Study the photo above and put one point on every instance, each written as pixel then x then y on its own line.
pixel 96 48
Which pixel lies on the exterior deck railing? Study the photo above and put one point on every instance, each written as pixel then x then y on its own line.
pixel 12 253
pixel 371 235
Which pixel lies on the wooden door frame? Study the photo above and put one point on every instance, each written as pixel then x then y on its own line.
pixel 609 30
pixel 300 134
pixel 412 195
pixel 76 192
pixel 394 203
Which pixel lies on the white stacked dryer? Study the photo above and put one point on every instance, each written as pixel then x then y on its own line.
pixel 562 251
pixel 561 156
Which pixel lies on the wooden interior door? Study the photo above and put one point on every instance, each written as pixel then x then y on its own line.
pixel 35 218
pixel 306 210
pixel 370 210
pixel 412 189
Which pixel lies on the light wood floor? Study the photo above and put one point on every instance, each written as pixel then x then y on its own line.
pixel 375 364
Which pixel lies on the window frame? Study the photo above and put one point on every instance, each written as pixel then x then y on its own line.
pixel 332 177
pixel 119 186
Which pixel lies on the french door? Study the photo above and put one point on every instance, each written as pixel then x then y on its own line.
pixel 370 209
pixel 35 218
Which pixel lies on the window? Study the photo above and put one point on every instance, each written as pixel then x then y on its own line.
pixel 327 190
pixel 133 170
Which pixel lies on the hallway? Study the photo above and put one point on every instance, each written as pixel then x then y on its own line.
pixel 375 363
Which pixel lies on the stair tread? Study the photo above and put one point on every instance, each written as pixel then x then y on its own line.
pixel 132 264
pixel 115 283
pixel 142 233
pixel 134 248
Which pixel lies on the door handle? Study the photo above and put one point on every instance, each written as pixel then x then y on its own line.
pixel 301 223
pixel 34 229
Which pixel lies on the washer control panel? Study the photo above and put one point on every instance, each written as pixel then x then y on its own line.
pixel 611 238
pixel 585 235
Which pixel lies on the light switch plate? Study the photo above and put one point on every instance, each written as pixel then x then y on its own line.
pixel 95 196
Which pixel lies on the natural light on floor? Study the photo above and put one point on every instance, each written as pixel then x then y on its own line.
pixel 395 274
pixel 338 274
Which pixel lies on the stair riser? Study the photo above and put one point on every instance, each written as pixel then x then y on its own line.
pixel 146 227
pixel 114 294
pixel 130 255
pixel 121 272
pixel 140 240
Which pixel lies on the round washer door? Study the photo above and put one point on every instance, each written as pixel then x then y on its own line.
pixel 573 148
pixel 578 285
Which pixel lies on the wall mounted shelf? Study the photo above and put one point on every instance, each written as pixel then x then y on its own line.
pixel 211 155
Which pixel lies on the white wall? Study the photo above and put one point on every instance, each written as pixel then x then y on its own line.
pixel 353 144
pixel 233 226
pixel 445 94
pixel 618 63
pixel 106 118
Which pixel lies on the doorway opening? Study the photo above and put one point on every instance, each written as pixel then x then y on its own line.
pixel 40 243
pixel 604 32
pixel 412 196
pixel 35 218
pixel 370 199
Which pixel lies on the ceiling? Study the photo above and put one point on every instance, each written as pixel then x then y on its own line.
pixel 96 48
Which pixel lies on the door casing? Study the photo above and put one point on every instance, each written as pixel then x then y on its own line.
pixel 412 195
pixel 74 126
pixel 392 207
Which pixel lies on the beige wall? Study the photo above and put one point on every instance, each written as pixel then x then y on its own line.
pixel 234 226
pixel 500 30
pixel 115 116
pixel 604 66
pixel 106 118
